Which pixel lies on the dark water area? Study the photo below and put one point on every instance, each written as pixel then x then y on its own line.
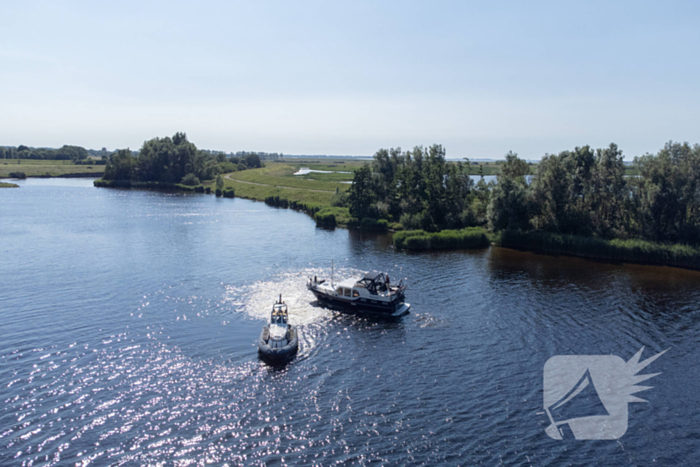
pixel 128 322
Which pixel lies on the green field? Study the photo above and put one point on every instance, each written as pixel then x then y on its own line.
pixel 311 192
pixel 278 179
pixel 44 168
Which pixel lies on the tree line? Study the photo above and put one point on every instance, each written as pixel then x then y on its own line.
pixel 174 160
pixel 66 152
pixel 580 192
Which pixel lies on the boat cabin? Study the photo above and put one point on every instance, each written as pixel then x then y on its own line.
pixel 346 289
pixel 279 314
pixel 375 282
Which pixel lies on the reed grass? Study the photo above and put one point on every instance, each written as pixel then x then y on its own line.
pixel 469 238
pixel 48 168
pixel 629 251
pixel 151 185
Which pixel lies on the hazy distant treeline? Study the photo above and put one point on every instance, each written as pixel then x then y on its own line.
pixel 63 153
pixel 579 192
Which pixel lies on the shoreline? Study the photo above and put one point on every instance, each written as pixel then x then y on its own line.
pixel 609 251
pixel 75 175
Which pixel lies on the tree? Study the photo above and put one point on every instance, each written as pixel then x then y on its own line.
pixel 252 161
pixel 121 166
pixel 610 196
pixel 666 195
pixel 508 206
pixel 190 179
pixel 360 195
pixel 168 160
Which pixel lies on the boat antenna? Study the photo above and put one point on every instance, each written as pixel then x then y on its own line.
pixel 332 270
pixel 280 298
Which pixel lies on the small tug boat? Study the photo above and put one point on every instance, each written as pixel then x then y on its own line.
pixel 279 340
pixel 371 294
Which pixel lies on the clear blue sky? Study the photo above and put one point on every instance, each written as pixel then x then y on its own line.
pixel 333 77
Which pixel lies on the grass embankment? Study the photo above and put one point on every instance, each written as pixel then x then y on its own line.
pixel 472 237
pixel 8 185
pixel 312 193
pixel 282 176
pixel 153 185
pixel 50 168
pixel 628 251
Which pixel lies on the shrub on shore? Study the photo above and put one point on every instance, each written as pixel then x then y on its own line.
pixel 281 202
pixel 19 175
pixel 472 237
pixel 325 218
pixel 154 185
pixel 190 180
pixel 230 193
pixel 374 224
pixel 631 251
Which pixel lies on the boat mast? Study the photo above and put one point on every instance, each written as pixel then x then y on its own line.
pixel 332 270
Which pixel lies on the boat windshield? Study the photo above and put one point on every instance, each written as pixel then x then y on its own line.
pixel 279 314
pixel 374 282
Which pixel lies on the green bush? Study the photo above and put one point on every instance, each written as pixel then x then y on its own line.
pixel 199 189
pixel 373 224
pixel 112 183
pixel 20 175
pixel 418 242
pixel 101 183
pixel 410 222
pixel 472 237
pixel 339 199
pixel 325 218
pixel 219 192
pixel 190 180
pixel 230 193
pixel 632 251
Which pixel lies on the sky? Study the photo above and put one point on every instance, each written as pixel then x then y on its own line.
pixel 350 77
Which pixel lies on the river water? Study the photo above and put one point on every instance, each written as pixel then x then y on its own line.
pixel 128 322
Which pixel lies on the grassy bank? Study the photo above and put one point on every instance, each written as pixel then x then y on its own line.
pixel 311 193
pixel 282 175
pixel 628 251
pixel 44 168
pixel 152 185
pixel 472 237
pixel 8 185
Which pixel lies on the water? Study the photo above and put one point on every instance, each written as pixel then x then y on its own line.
pixel 306 171
pixel 129 320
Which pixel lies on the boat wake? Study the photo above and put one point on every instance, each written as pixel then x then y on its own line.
pixel 255 301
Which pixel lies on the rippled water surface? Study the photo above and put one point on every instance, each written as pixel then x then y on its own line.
pixel 128 322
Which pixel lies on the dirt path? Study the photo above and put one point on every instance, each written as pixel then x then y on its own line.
pixel 276 186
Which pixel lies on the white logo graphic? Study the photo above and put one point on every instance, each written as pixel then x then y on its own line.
pixel 587 395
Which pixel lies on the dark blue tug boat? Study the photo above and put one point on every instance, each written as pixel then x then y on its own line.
pixel 279 340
